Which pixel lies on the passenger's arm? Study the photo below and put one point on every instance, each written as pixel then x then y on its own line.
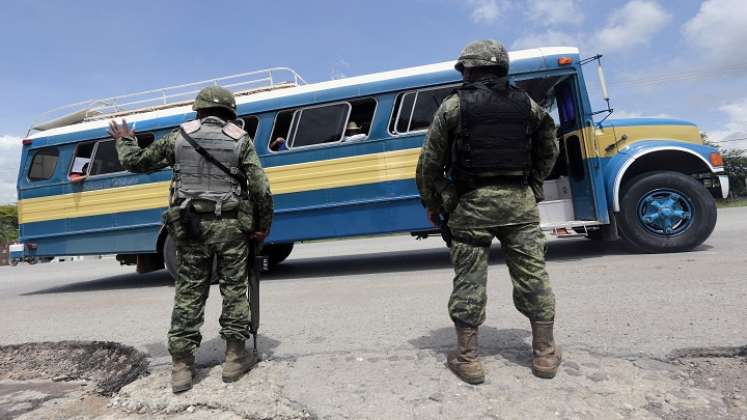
pixel 259 188
pixel 158 155
pixel 435 189
pixel 544 149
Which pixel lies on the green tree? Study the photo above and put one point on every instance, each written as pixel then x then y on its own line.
pixel 8 223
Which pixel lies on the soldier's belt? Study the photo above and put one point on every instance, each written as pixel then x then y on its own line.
pixel 231 214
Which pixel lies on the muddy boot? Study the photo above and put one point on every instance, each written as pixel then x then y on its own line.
pixel 465 362
pixel 546 355
pixel 238 360
pixel 182 370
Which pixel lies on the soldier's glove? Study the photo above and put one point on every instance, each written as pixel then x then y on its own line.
pixel 449 198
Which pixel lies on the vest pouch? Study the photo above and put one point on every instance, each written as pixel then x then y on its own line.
pixel 172 220
pixel 245 216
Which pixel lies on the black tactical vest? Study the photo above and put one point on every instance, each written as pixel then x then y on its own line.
pixel 495 138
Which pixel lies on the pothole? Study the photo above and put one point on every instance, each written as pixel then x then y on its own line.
pixel 110 365
pixel 81 372
pixel 721 369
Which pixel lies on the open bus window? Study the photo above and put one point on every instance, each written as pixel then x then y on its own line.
pixel 361 116
pixel 81 160
pixel 105 159
pixel 251 123
pixel 323 124
pixel 43 164
pixel 281 130
pixel 414 110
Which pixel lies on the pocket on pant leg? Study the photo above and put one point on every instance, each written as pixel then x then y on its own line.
pixel 172 220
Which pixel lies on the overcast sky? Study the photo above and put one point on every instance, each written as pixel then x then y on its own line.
pixel 672 58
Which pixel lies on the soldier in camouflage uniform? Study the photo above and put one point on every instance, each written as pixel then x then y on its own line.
pixel 484 160
pixel 224 215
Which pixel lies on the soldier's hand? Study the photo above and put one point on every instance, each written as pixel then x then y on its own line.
pixel 259 235
pixel 118 131
pixel 433 217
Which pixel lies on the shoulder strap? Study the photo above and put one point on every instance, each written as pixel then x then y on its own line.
pixel 210 158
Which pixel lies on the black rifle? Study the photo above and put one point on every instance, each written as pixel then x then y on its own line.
pixel 443 218
pixel 254 263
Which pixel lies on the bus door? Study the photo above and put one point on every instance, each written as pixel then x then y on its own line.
pixel 575 147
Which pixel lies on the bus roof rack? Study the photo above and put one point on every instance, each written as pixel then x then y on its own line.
pixel 150 100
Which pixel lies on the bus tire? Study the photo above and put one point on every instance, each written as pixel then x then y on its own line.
pixel 665 211
pixel 169 256
pixel 277 253
pixel 14 262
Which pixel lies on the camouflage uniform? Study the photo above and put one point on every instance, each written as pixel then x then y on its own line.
pixel 224 238
pixel 507 211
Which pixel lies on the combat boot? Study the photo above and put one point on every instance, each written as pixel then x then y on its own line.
pixel 238 360
pixel 546 355
pixel 182 370
pixel 465 362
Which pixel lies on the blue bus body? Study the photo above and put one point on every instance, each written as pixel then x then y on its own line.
pixel 333 190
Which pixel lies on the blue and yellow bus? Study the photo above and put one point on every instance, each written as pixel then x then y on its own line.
pixel 341 157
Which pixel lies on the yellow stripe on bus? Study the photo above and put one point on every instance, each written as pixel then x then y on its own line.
pixel 333 173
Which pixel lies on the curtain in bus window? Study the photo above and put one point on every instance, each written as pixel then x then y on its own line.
pixel 321 125
pixel 566 105
pixel 105 160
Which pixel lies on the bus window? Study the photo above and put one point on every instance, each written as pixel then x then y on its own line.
pixel 414 110
pixel 361 116
pixel 105 159
pixel 324 124
pixel 43 164
pixel 81 160
pixel 251 123
pixel 281 130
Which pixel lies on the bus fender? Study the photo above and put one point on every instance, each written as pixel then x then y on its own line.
pixel 617 167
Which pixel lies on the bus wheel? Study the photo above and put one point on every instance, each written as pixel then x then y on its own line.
pixel 277 253
pixel 169 256
pixel 666 212
pixel 14 262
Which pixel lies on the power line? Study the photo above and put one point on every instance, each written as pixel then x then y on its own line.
pixel 729 140
pixel 660 78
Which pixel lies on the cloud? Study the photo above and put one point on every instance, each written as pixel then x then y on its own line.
pixel 544 39
pixel 718 30
pixel 340 69
pixel 621 113
pixel 487 11
pixel 735 127
pixel 10 158
pixel 554 12
pixel 632 26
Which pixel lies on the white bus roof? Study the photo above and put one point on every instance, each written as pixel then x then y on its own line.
pixel 272 92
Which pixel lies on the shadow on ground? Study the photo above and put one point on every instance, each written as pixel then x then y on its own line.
pixel 511 344
pixel 211 352
pixel 346 265
pixel 434 258
pixel 122 281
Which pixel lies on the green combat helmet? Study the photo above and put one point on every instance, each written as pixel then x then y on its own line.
pixel 486 53
pixel 215 97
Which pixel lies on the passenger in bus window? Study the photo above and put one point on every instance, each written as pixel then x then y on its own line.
pixel 354 132
pixel 279 145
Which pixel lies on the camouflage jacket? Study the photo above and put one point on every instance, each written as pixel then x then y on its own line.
pixel 489 206
pixel 160 154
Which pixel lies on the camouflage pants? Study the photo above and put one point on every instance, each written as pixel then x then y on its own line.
pixel 524 249
pixel 224 240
